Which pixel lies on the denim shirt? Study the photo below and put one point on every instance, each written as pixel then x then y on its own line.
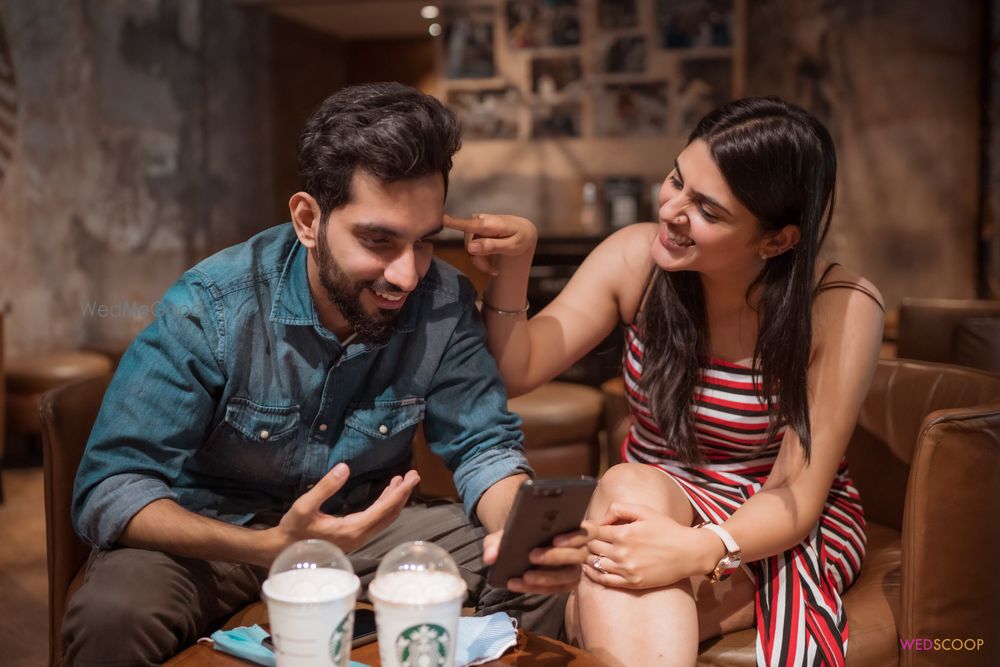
pixel 235 400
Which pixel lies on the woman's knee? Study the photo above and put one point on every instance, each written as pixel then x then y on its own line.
pixel 640 484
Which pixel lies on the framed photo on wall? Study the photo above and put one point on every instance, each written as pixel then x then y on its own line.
pixel 706 83
pixel 490 113
pixel 631 109
pixel 686 24
pixel 622 53
pixel 617 14
pixel 533 24
pixel 468 42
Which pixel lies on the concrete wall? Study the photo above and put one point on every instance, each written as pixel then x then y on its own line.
pixel 138 151
pixel 899 85
pixel 150 133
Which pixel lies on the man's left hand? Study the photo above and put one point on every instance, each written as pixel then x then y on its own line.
pixel 559 566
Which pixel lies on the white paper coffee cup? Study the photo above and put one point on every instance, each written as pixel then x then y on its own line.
pixel 311 612
pixel 416 616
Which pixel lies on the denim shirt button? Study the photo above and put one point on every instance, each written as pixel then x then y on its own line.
pixel 383 429
pixel 322 427
pixel 264 435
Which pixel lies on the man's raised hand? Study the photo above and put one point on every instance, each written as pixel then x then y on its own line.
pixel 305 520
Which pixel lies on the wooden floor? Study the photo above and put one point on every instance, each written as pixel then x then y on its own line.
pixel 23 581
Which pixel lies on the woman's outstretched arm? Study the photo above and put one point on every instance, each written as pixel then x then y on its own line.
pixel 603 291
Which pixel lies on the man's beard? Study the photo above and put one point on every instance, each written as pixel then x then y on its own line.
pixel 376 328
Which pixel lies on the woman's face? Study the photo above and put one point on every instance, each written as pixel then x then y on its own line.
pixel 703 227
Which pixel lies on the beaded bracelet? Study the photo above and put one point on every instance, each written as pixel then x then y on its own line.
pixel 507 313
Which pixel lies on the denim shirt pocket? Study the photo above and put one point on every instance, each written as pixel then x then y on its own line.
pixel 377 434
pixel 253 443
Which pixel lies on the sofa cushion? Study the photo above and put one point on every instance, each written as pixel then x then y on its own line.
pixel 977 343
pixel 872 605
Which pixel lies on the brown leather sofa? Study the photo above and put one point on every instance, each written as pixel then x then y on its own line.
pixel 952 331
pixel 926 457
pixel 31 376
pixel 3 425
pixel 562 422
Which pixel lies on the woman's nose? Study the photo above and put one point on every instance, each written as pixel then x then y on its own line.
pixel 671 210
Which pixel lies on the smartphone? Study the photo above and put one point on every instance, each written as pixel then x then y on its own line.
pixel 364 627
pixel 543 508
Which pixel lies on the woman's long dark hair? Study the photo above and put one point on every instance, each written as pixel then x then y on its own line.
pixel 781 164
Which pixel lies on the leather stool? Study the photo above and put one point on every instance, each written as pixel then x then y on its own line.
pixel 562 424
pixel 30 377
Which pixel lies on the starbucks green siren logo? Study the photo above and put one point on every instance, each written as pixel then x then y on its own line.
pixel 424 645
pixel 337 653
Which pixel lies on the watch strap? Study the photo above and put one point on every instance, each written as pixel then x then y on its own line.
pixel 731 560
pixel 724 535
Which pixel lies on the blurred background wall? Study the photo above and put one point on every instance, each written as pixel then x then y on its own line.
pixel 148 134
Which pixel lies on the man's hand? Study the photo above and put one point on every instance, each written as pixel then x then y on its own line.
pixel 304 520
pixel 559 566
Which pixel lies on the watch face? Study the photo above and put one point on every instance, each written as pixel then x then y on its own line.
pixel 729 561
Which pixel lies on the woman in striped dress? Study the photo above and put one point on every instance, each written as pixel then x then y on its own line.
pixel 745 369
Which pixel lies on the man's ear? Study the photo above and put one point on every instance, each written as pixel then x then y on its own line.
pixel 305 218
pixel 780 241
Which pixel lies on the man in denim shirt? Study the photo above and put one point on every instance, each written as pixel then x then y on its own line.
pixel 276 394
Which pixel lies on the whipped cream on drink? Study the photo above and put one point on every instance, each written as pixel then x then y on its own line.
pixel 418 587
pixel 310 585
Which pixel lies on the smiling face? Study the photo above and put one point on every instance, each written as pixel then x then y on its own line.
pixel 371 253
pixel 703 227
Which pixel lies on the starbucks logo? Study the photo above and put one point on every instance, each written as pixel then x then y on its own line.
pixel 423 646
pixel 338 655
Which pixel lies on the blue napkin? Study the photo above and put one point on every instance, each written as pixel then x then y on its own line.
pixel 483 638
pixel 480 639
pixel 245 642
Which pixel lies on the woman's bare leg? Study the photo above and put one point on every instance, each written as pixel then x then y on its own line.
pixel 637 628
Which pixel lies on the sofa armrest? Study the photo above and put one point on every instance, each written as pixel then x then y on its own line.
pixel 950 541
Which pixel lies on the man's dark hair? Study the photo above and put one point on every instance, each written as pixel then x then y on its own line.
pixel 389 130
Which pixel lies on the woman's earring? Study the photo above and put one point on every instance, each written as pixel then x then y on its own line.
pixel 763 255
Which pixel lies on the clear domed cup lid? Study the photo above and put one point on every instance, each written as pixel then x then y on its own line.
pixel 417 573
pixel 310 571
pixel 311 554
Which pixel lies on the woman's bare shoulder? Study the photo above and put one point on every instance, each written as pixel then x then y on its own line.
pixel 626 256
pixel 836 281
pixel 846 306
pixel 633 240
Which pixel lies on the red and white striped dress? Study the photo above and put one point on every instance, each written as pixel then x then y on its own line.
pixel 799 614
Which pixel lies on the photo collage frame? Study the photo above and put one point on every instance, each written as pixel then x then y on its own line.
pixel 578 69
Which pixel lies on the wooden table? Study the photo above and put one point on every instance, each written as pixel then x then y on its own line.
pixel 531 650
